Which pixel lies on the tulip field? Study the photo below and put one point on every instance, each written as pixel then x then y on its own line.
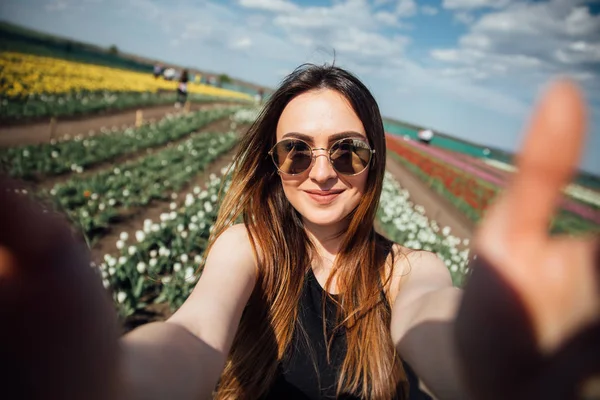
pixel 145 198
pixel 471 184
pixel 35 86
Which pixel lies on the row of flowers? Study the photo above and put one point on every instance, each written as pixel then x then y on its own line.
pixel 27 75
pixel 481 171
pixel 83 151
pixel 406 223
pixel 574 190
pixel 472 194
pixel 81 103
pixel 103 198
pixel 160 264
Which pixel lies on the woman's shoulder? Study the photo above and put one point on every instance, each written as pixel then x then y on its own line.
pixel 405 263
pixel 235 240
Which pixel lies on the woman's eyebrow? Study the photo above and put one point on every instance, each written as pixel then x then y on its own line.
pixel 347 134
pixel 301 136
pixel 332 138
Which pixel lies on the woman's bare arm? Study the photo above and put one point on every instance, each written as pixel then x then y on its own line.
pixel 422 325
pixel 184 357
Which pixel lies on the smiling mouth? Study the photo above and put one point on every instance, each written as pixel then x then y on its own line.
pixel 323 196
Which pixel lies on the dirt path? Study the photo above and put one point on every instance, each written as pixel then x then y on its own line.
pixel 436 206
pixel 40 132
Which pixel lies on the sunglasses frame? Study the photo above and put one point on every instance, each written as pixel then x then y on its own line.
pixel 314 157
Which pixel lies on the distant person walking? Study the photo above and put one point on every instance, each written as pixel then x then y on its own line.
pixel 158 69
pixel 182 89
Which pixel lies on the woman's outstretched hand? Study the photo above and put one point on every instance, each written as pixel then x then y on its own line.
pixel 529 323
pixel 59 334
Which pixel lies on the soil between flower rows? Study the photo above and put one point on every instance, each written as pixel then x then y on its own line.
pixel 39 132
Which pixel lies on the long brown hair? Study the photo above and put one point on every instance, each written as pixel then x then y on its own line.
pixel 371 369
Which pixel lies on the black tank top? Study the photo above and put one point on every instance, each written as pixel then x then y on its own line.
pixel 304 373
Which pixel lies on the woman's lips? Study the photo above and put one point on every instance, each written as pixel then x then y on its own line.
pixel 322 196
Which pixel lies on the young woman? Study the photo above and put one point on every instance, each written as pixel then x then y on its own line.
pixel 304 299
pixel 307 183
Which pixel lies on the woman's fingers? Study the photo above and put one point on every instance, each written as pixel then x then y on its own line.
pixel 517 224
pixel 549 156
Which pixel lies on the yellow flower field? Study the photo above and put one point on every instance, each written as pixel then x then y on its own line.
pixel 24 75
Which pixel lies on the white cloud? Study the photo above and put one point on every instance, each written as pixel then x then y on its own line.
pixel 450 55
pixel 386 18
pixel 406 8
pixel 241 43
pixel 473 4
pixel 57 5
pixel 530 42
pixel 429 10
pixel 579 53
pixel 269 5
pixel 464 17
pixel 580 22
pixel 256 21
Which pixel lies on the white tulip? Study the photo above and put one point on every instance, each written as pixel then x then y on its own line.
pixel 141 267
pixel 189 273
pixel 140 236
pixel 121 297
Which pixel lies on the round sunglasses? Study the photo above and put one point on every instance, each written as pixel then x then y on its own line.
pixel 348 156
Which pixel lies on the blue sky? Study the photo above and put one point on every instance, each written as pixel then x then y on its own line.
pixel 468 68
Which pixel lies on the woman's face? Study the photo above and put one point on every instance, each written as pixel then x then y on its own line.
pixel 321 195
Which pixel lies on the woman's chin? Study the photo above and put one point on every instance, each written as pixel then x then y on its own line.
pixel 324 217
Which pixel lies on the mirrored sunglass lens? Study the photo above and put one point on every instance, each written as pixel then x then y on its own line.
pixel 292 156
pixel 350 156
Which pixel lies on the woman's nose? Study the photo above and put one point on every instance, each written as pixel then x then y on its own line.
pixel 322 170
